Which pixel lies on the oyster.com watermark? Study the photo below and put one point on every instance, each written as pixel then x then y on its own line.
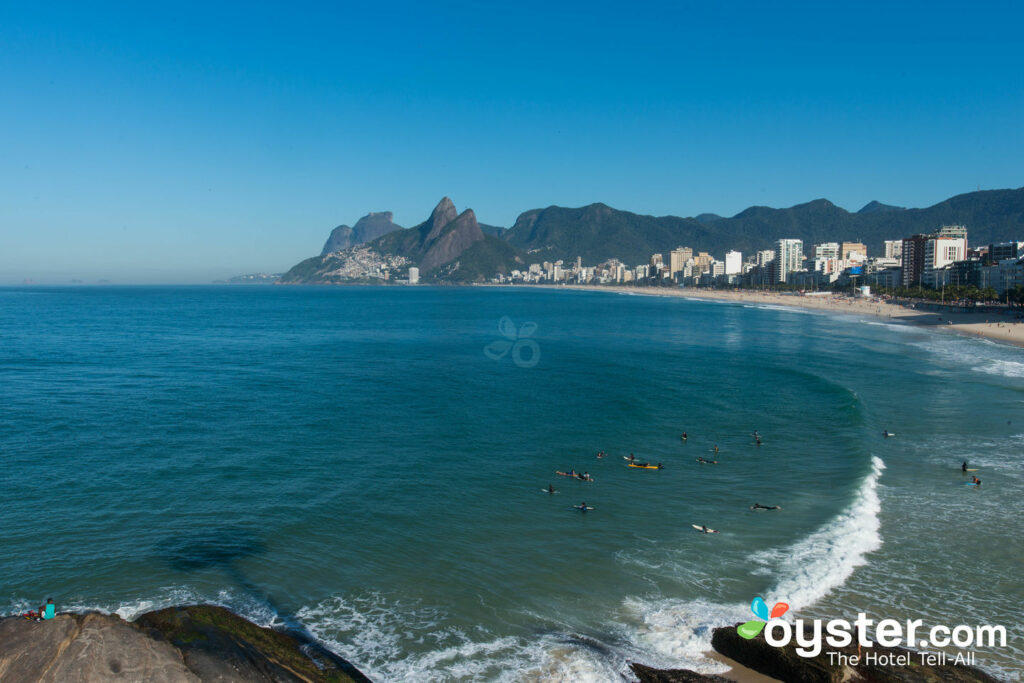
pixel 525 352
pixel 813 636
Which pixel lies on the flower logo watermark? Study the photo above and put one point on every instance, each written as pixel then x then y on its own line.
pixel 760 609
pixel 516 341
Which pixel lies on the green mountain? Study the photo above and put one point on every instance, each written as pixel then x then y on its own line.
pixel 599 232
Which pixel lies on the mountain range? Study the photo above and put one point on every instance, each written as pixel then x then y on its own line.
pixel 450 246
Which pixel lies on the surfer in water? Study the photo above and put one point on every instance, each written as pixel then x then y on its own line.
pixel 551 488
pixel 683 436
pixel 582 507
pixel 716 449
pixel 757 440
pixel 758 506
pixel 632 458
pixel 963 468
pixel 975 481
pixel 885 433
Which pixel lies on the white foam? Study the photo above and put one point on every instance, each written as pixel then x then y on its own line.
pixel 405 641
pixel 814 566
pixel 980 355
pixel 1005 368
pixel 677 633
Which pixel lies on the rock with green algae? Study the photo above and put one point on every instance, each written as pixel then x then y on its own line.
pixel 193 643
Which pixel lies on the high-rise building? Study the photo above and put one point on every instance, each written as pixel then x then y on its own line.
pixel 657 262
pixel 939 252
pixel 951 231
pixel 765 256
pixel 733 263
pixel 677 259
pixel 414 275
pixel 912 259
pixel 789 257
pixel 1005 250
pixel 826 251
pixel 848 248
pixel 893 249
pixel 922 255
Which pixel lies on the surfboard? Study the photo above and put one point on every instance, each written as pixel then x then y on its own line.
pixel 971 483
pixel 581 509
pixel 546 491
pixel 699 528
pixel 971 469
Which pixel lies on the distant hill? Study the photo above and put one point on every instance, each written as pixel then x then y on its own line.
pixel 493 230
pixel 368 228
pixel 599 232
pixel 879 207
pixel 255 279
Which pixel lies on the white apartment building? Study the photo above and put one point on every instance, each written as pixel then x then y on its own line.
pixel 733 263
pixel 828 250
pixel 765 257
pixel 789 257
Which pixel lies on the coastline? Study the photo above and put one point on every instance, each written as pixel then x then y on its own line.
pixel 999 327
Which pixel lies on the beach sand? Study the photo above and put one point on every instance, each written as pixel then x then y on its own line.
pixel 1000 326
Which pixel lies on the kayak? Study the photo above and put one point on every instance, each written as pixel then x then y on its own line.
pixel 644 466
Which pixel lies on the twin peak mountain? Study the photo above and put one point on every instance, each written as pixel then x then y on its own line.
pixel 448 246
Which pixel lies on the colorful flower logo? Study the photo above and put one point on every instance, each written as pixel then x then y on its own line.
pixel 516 342
pixel 760 609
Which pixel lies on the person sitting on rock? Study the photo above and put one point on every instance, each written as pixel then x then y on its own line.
pixel 50 611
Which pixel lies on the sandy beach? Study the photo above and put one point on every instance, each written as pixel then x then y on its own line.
pixel 999 325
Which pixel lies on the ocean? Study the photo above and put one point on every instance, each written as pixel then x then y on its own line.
pixel 371 463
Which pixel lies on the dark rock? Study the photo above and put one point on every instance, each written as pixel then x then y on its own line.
pixel 194 643
pixel 646 674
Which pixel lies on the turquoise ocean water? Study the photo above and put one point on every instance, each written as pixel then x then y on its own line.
pixel 352 461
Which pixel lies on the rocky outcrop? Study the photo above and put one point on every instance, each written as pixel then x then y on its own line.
pixel 646 674
pixel 368 228
pixel 454 238
pixel 194 643
pixel 447 247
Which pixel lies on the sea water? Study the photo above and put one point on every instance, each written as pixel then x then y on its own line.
pixel 370 463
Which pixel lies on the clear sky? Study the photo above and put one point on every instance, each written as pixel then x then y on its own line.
pixel 184 142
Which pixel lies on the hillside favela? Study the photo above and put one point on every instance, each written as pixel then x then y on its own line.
pixel 433 342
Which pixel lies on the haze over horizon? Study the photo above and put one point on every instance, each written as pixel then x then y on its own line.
pixel 192 143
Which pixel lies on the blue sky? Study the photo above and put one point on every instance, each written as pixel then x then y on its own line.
pixel 188 142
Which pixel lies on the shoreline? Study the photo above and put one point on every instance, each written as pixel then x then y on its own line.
pixel 997 327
